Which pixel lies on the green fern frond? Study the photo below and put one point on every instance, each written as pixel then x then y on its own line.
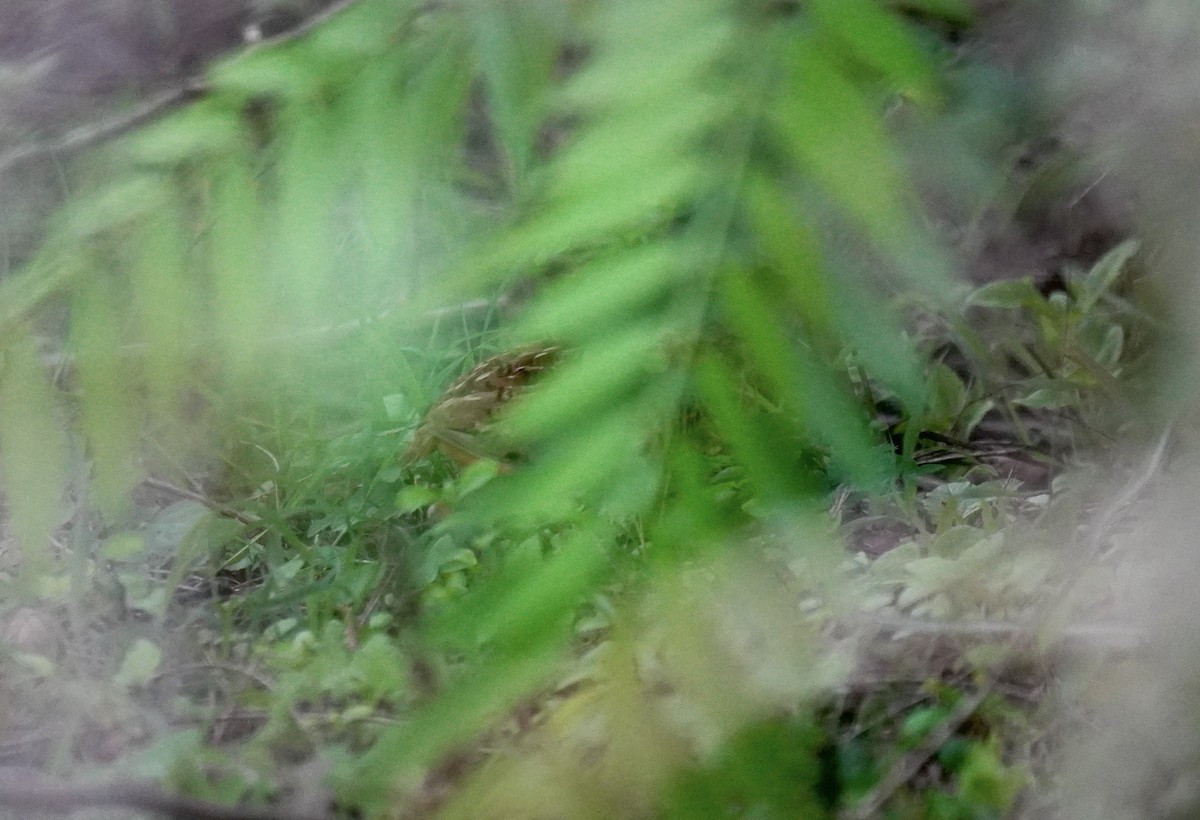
pixel 680 243
pixel 700 153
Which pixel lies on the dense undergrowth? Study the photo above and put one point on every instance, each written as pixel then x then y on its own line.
pixel 779 524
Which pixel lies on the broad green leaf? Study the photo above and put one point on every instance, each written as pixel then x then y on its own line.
pixel 890 566
pixel 172 524
pixel 973 414
pixel 124 546
pixel 285 573
pixel 947 397
pixel 382 667
pixel 1113 344
pixel 33 450
pixel 438 553
pixel 1105 272
pixel 398 406
pixel 987 782
pixel 920 722
pixel 1008 293
pixel 415 497
pixel 1053 397
pixel 476 475
pixel 953 541
pixel 141 662
pixel 930 576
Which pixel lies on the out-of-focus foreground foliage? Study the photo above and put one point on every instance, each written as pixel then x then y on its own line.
pixel 705 205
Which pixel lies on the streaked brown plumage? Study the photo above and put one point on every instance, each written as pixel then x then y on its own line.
pixel 457 423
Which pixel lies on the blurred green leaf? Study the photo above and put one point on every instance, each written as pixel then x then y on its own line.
pixel 768 770
pixel 415 497
pixel 120 203
pixel 1105 272
pixel 34 452
pixel 1051 397
pixel 583 385
pixel 1008 293
pixel 920 722
pixel 167 304
pixel 441 552
pixel 986 781
pixel 265 72
pixel 123 547
pixel 793 250
pixel 236 259
pixel 111 413
pixel 773 478
pixel 823 121
pixel 358 33
pixel 381 666
pixel 186 136
pixel 476 475
pixel 615 288
pixel 518 45
pixel 524 613
pixel 649 37
pixel 303 251
pixel 807 387
pixel 878 38
pixel 141 662
pixel 1111 348
pixel 948 397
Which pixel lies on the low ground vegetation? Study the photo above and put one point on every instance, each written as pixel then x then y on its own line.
pixel 796 524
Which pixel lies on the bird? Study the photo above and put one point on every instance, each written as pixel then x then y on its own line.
pixel 457 424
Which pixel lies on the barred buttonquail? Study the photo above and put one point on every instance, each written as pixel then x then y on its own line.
pixel 458 423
